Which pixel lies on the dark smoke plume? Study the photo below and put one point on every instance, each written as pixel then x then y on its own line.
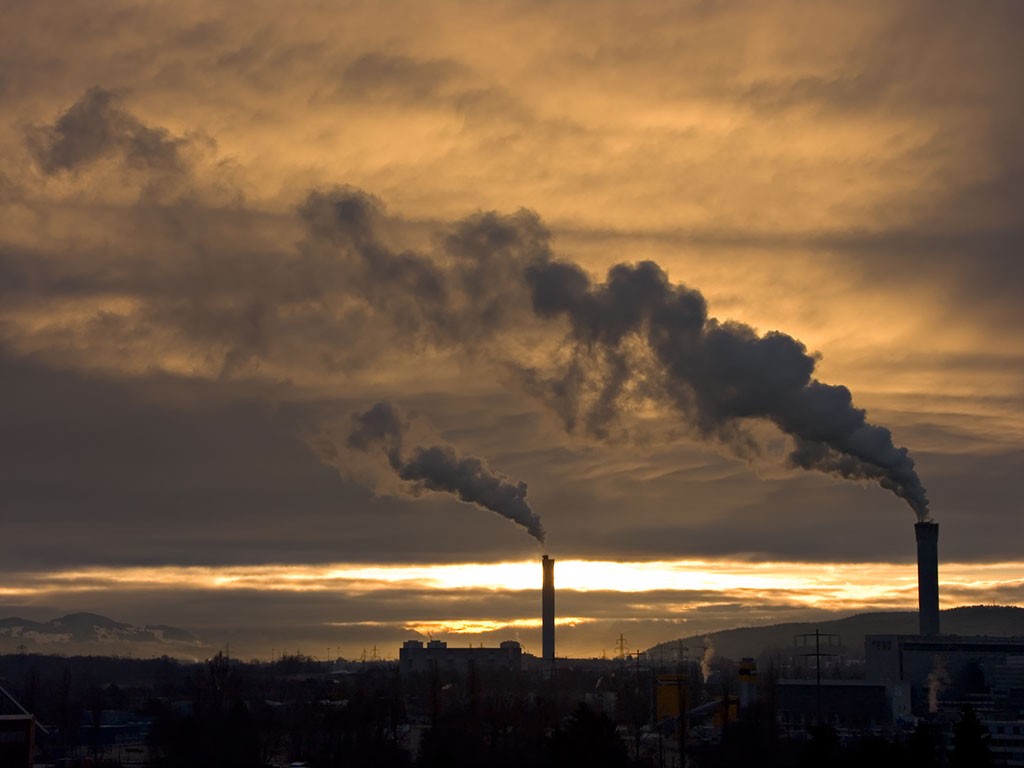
pixel 440 468
pixel 634 338
pixel 721 372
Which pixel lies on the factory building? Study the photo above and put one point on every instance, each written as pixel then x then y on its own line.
pixel 857 705
pixel 944 672
pixel 987 672
pixel 17 740
pixel 415 657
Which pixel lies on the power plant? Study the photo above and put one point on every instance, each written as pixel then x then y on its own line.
pixel 927 534
pixel 548 610
pixel 906 678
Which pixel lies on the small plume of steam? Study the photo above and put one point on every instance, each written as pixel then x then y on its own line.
pixel 938 679
pixel 705 661
pixel 441 468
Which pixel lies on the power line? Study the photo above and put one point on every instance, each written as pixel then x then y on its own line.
pixel 817 635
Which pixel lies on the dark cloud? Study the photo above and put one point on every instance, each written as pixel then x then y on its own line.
pixel 467 293
pixel 490 282
pixel 161 469
pixel 408 82
pixel 381 76
pixel 844 92
pixel 96 127
pixel 464 294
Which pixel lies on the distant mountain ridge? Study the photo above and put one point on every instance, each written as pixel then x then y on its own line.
pixel 991 620
pixel 93 633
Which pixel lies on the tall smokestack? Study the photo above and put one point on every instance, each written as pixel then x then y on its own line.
pixel 547 599
pixel 927 534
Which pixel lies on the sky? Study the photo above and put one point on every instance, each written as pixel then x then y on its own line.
pixel 717 297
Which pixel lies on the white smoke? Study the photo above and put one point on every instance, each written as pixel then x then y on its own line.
pixel 705 661
pixel 938 679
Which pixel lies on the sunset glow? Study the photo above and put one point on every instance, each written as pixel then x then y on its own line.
pixel 837 586
pixel 343 313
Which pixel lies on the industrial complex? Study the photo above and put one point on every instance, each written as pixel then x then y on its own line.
pixel 667 707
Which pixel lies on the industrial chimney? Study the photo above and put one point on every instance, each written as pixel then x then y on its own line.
pixel 547 599
pixel 927 534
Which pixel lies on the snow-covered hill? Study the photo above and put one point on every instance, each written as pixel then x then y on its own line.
pixel 90 633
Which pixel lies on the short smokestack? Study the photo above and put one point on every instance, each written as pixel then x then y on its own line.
pixel 547 599
pixel 927 534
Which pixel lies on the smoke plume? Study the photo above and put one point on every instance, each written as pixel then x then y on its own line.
pixel 719 373
pixel 634 339
pixel 440 468
pixel 705 660
pixel 938 679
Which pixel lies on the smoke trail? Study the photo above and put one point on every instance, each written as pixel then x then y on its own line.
pixel 634 338
pixel 440 468
pixel 719 373
pixel 705 661
pixel 938 678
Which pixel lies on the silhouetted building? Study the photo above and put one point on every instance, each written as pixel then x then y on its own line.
pixel 414 657
pixel 17 738
pixel 987 672
pixel 846 704
pixel 1006 740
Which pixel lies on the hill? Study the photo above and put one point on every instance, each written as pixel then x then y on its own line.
pixel 994 620
pixel 90 633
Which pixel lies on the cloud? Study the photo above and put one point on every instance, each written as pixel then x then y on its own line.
pixel 846 184
pixel 377 75
pixel 96 127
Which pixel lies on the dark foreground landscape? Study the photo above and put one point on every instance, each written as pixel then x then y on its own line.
pixel 674 705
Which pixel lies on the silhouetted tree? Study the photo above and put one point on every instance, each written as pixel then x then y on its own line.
pixel 588 740
pixel 876 752
pixel 923 747
pixel 970 742
pixel 30 690
pixel 823 748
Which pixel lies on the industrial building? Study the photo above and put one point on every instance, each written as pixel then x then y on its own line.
pixel 17 732
pixel 988 671
pixel 17 739
pixel 415 657
pixel 944 672
pixel 859 705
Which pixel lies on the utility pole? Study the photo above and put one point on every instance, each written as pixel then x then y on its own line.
pixel 817 657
